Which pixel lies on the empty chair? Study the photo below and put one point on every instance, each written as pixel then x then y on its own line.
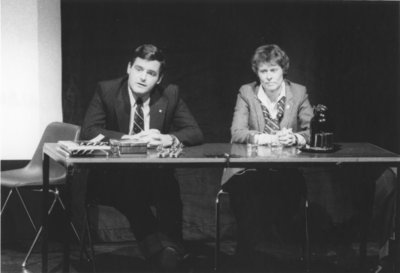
pixel 30 177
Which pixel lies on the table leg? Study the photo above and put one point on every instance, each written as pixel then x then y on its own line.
pixel 45 173
pixel 66 225
pixel 366 218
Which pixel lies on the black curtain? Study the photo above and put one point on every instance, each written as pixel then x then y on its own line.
pixel 346 53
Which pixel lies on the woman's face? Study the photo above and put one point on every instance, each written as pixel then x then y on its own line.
pixel 271 76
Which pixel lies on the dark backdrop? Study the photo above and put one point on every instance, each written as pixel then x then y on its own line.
pixel 346 53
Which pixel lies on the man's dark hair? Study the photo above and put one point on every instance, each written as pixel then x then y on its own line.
pixel 270 54
pixel 150 52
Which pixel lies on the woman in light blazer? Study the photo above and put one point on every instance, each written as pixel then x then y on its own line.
pixel 271 111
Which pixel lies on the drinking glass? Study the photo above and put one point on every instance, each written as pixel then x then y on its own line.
pixel 114 148
pixel 275 145
pixel 252 145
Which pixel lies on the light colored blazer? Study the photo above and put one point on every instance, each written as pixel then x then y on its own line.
pixel 248 117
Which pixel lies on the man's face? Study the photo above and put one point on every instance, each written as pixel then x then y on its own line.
pixel 271 76
pixel 143 76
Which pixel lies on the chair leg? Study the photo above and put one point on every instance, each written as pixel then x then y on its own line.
pixel 63 207
pixel 32 246
pixel 82 239
pixel 26 209
pixel 5 202
pixel 217 230
pixel 37 235
pixel 56 198
pixel 307 237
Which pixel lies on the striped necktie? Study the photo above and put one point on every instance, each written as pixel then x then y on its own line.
pixel 138 119
pixel 272 124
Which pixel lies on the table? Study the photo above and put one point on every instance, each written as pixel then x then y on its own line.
pixel 224 155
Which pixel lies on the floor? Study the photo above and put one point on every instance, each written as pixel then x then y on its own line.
pixel 125 257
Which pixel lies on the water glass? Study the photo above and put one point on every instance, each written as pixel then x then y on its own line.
pixel 275 145
pixel 251 139
pixel 252 145
pixel 114 148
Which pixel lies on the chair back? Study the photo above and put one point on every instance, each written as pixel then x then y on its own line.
pixel 54 132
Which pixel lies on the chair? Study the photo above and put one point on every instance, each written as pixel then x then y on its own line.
pixel 217 232
pixel 30 177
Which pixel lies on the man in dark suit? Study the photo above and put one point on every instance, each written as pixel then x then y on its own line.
pixel 137 106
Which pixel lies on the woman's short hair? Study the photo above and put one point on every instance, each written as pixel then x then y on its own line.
pixel 270 54
pixel 150 52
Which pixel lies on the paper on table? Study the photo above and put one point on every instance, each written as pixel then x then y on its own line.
pixel 99 138
pixel 83 148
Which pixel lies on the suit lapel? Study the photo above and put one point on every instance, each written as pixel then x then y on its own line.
pixel 287 116
pixel 123 108
pixel 158 107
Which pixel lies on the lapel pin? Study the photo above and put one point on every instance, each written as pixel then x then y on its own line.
pixel 159 110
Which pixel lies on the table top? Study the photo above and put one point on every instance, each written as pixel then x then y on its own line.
pixel 240 155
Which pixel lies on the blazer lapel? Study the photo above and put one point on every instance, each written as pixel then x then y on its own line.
pixel 123 108
pixel 258 109
pixel 287 116
pixel 158 107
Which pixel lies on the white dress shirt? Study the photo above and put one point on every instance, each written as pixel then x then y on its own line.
pixel 273 111
pixel 271 106
pixel 167 138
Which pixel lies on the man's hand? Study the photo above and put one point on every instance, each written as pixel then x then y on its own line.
pixel 152 137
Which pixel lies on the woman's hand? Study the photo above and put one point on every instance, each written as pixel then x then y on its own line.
pixel 286 137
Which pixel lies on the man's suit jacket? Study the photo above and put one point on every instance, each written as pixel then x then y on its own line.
pixel 109 113
pixel 248 117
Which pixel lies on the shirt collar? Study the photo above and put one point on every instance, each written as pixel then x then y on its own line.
pixel 132 99
pixel 263 97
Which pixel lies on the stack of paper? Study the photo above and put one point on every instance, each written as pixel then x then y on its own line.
pixel 132 146
pixel 83 148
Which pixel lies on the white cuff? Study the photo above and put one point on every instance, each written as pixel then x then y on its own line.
pixel 265 139
pixel 301 141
